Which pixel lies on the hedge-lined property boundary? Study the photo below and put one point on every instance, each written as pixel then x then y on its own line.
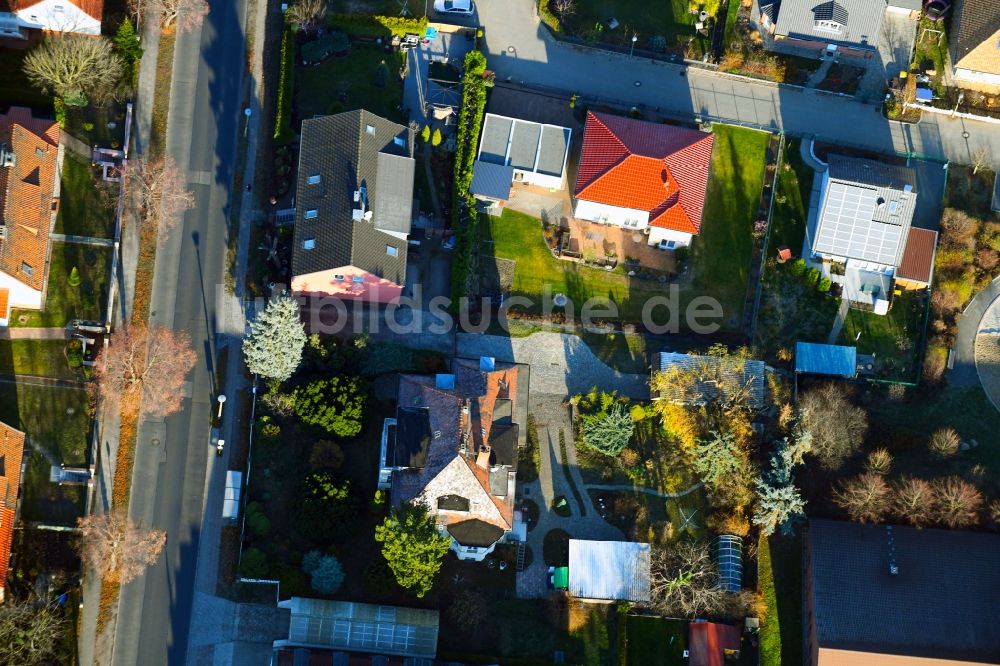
pixel 470 120
pixel 283 134
pixel 363 25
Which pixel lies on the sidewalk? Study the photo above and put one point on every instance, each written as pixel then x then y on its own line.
pixel 33 334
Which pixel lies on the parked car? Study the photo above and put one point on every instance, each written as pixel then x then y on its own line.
pixel 454 6
pixel 936 10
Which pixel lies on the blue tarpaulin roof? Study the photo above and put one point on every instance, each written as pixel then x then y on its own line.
pixel 491 180
pixel 818 359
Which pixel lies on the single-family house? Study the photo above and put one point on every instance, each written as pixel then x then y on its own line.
pixel 831 27
pixel 725 378
pixel 512 150
pixel 712 643
pixel 30 162
pixel 353 207
pixel 19 17
pixel 453 448
pixel 882 595
pixel 974 40
pixel 606 571
pixel 644 176
pixel 11 452
pixel 862 231
pixel 318 628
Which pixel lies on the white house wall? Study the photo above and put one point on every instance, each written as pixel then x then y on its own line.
pixel 21 295
pixel 605 214
pixel 977 77
pixel 58 16
pixel 657 234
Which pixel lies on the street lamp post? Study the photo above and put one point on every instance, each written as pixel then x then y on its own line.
pixel 247 112
pixel 222 401
pixel 631 51
pixel 961 96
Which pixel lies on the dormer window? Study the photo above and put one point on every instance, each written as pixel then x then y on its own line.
pixel 312 214
pixel 313 179
pixel 829 26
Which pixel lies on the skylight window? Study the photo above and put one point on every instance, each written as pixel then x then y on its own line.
pixel 357 279
pixel 309 243
pixel 399 141
pixel 338 278
pixel 313 179
pixel 370 129
pixel 312 214
pixel 391 251
pixel 893 207
pixel 27 269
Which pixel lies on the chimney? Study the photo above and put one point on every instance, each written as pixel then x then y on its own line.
pixel 483 459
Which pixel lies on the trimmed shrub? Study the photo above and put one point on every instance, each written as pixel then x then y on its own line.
pixel 283 134
pixel 425 134
pixel 824 285
pixel 812 276
pixel 437 138
pixel 798 267
pixel 74 278
pixel 364 25
pixel 253 564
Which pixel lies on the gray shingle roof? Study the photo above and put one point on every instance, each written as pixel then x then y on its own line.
pixel 350 152
pixel 941 604
pixel 972 23
pixel 491 180
pixel 860 21
pixel 867 210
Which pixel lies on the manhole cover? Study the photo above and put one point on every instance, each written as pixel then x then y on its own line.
pixel 71 410
pixel 154 442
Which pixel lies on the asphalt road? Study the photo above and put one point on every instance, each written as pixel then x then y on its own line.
pixel 172 456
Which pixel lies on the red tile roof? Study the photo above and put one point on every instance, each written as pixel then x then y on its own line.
pixel 646 166
pixel 11 452
pixel 26 194
pixel 92 8
pixel 918 256
pixel 708 642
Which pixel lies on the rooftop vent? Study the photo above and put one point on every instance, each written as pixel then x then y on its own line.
pixel 446 382
pixel 880 202
pixel 487 363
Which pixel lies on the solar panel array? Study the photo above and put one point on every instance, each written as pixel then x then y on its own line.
pixel 847 227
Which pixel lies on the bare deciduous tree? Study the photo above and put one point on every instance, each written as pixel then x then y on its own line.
pixel 30 635
pixel 837 427
pixel 145 368
pixel 74 67
pixel 981 159
pixel 865 498
pixel 879 461
pixel 186 14
pixel 684 582
pixel 116 547
pixel 913 501
pixel 159 190
pixel 564 8
pixel 307 14
pixel 957 502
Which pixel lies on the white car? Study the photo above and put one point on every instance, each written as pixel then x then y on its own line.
pixel 454 6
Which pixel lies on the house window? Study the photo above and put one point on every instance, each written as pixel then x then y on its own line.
pixel 370 129
pixel 57 8
pixel 309 243
pixel 312 214
pixel 338 278
pixel 829 26
pixel 391 251
pixel 27 269
pixel 313 179
pixel 357 279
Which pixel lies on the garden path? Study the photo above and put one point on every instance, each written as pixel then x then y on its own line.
pixel 838 322
pixel 28 333
pixel 625 487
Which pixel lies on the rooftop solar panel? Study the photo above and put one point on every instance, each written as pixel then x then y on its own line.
pixel 848 227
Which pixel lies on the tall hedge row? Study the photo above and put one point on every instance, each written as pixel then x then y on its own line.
pixel 364 25
pixel 470 120
pixel 283 133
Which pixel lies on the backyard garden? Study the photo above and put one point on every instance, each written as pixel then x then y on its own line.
pixel 720 257
pixel 77 287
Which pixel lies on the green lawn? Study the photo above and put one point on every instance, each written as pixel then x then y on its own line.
pixel 721 252
pixel 83 211
pixel 58 421
pixel 893 338
pixel 669 19
pixel 780 565
pixel 14 85
pixel 65 302
pixel 791 205
pixel 656 641
pixel 34 357
pixel 318 86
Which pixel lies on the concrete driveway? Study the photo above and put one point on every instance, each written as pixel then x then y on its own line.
pixel 418 90
pixel 520 49
pixel 895 46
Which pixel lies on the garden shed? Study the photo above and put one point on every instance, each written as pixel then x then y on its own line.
pixel 830 360
pixel 602 571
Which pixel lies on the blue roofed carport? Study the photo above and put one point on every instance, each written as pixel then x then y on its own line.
pixel 491 180
pixel 820 359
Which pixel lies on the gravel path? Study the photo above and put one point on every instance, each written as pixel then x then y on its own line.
pixel 561 364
